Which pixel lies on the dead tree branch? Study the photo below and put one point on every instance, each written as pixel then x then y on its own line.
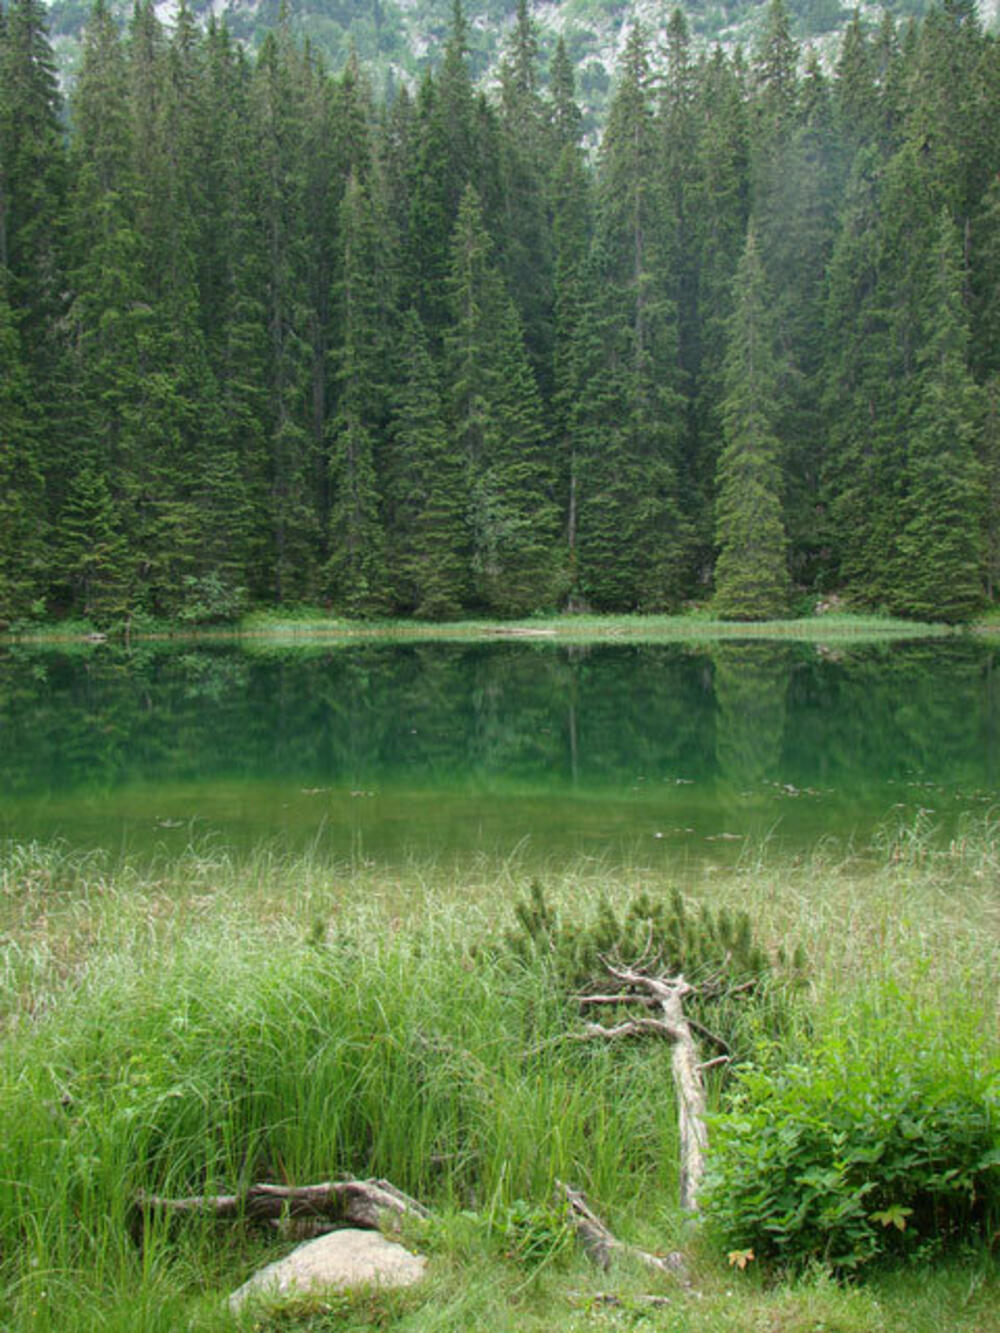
pixel 600 1243
pixel 689 1086
pixel 363 1203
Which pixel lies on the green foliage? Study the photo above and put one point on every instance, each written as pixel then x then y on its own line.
pixel 751 574
pixel 882 1144
pixel 741 991
pixel 211 600
pixel 208 258
pixel 533 1234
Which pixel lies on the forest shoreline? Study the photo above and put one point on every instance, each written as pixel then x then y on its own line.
pixel 299 625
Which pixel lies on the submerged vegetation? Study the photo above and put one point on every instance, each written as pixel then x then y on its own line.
pixel 201 1024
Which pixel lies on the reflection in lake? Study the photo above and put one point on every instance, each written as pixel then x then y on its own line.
pixel 751 685
pixel 452 749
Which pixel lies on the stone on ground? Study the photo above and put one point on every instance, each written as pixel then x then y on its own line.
pixel 337 1262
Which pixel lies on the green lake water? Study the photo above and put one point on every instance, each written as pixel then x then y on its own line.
pixel 661 753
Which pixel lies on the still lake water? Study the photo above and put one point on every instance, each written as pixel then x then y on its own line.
pixel 383 752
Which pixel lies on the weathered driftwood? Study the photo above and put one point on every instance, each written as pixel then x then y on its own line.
pixel 600 1243
pixel 615 1302
pixel 668 993
pixel 375 1204
pixel 627 997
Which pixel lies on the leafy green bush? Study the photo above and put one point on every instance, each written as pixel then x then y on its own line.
pixel 874 1151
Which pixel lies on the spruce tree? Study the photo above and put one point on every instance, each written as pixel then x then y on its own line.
pixel 108 315
pixel 232 301
pixel 22 508
pixel 632 538
pixel 426 533
pixel 721 207
pixel 497 421
pixel 940 542
pixel 571 235
pixel 525 236
pixel 33 192
pixel 292 508
pixel 751 573
pixel 355 575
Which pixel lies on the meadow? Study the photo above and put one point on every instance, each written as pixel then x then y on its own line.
pixel 202 1023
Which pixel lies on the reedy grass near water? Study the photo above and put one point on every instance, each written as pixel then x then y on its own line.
pixel 292 625
pixel 207 1023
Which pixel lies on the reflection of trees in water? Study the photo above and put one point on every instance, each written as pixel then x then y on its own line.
pixel 604 714
pixel 751 687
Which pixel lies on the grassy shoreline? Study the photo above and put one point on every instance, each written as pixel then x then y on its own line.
pixel 309 624
pixel 213 1021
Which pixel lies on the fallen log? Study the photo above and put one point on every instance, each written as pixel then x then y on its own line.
pixel 600 1243
pixel 615 1302
pixel 686 1067
pixel 374 1204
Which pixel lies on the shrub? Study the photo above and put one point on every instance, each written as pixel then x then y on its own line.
pixel 742 992
pixel 873 1151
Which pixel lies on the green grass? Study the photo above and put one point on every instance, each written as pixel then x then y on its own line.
pixel 308 623
pixel 203 1023
pixel 285 624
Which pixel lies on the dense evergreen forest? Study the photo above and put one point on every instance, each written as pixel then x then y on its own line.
pixel 264 339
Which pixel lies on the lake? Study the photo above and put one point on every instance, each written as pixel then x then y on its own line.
pixel 384 752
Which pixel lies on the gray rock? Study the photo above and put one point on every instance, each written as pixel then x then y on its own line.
pixel 341 1260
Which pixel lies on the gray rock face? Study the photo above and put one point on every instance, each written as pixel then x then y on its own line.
pixel 336 1262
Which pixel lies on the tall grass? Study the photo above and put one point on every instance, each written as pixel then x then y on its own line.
pixel 306 623
pixel 205 1024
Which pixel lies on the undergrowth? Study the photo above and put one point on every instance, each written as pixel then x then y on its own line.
pixel 214 1024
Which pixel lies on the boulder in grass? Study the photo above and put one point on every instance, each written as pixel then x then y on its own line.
pixel 340 1261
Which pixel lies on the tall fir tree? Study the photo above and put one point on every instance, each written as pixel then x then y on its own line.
pixel 940 553
pixel 356 577
pixel 33 201
pixel 721 208
pixel 751 573
pixel 632 538
pixel 427 536
pixel 22 506
pixel 108 314
pixel 292 467
pixel 497 421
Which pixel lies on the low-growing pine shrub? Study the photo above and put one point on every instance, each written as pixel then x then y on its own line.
pixel 742 992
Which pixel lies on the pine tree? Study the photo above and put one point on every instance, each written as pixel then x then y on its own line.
pixel 178 481
pixel 427 537
pixel 32 183
pixel 571 235
pixel 856 399
pixel 448 157
pixel 293 504
pixel 497 421
pixel 232 299
pixel 566 116
pixel 33 186
pixel 22 508
pixel 355 575
pixel 751 574
pixel 525 239
pixel 989 454
pixel 721 208
pixel 632 537
pixel 939 545
pixel 796 225
pixel 108 316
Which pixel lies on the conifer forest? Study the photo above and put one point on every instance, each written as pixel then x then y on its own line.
pixel 268 336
